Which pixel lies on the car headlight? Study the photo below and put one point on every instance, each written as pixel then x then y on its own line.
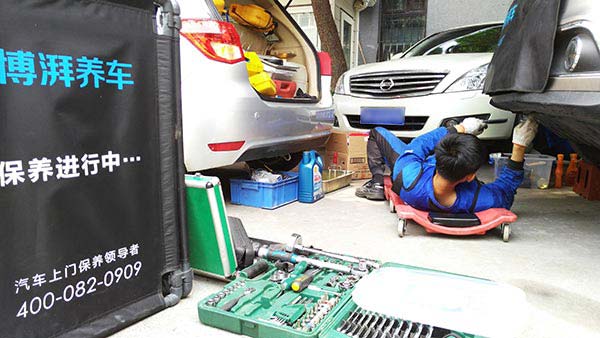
pixel 472 80
pixel 340 88
pixel 573 53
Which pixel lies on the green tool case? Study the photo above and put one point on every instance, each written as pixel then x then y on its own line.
pixel 212 250
pixel 262 308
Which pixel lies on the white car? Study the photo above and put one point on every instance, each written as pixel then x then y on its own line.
pixel 224 119
pixel 437 82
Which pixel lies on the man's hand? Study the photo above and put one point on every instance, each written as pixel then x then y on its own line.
pixel 525 132
pixel 472 125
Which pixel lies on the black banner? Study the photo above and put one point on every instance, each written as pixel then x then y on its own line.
pixel 80 181
pixel 524 56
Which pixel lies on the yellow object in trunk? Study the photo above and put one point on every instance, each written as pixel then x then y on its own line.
pixel 254 65
pixel 220 4
pixel 253 16
pixel 263 84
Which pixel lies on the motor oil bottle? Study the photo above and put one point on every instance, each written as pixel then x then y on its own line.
pixel 571 175
pixel 310 179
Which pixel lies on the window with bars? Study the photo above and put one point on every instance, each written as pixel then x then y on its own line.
pixel 402 25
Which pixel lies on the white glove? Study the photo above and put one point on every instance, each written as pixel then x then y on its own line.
pixel 525 132
pixel 473 126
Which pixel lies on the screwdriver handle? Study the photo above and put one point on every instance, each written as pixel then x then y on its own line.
pixel 302 282
pixel 298 271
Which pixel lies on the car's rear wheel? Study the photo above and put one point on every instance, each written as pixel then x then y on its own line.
pixel 279 163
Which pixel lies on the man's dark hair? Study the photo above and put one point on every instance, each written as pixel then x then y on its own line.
pixel 459 155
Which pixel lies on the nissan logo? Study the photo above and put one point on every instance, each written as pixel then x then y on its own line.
pixel 386 85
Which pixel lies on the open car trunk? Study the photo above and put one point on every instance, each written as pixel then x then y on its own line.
pixel 287 55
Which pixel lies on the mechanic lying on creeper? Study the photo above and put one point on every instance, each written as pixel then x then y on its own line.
pixel 447 181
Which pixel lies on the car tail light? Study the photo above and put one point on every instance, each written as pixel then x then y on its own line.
pixel 325 61
pixel 217 40
pixel 226 146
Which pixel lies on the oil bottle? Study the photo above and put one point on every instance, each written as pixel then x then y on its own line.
pixel 310 187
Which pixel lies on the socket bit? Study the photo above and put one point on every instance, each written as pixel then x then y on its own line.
pixel 379 331
pixel 359 325
pixel 371 334
pixel 389 328
pixel 352 324
pixel 380 320
pixel 344 323
pixel 396 333
pixel 429 331
pixel 367 326
pixel 417 333
pixel 408 329
pixel 361 332
pixel 371 321
pixel 365 319
pixel 383 324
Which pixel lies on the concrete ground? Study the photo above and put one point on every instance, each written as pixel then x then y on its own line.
pixel 552 255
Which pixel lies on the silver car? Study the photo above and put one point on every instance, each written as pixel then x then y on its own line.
pixel 225 120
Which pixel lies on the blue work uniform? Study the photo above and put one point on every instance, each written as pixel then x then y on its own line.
pixel 413 169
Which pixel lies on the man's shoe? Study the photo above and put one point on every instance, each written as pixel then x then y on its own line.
pixel 371 191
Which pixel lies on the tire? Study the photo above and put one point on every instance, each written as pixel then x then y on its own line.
pixel 280 163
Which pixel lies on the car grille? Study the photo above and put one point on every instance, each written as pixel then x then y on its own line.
pixel 411 123
pixel 395 84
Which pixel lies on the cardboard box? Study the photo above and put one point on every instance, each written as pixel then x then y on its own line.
pixel 352 153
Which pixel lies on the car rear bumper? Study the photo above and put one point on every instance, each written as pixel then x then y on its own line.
pixel 425 113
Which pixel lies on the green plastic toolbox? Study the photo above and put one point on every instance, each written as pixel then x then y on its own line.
pixel 261 307
pixel 297 291
pixel 212 250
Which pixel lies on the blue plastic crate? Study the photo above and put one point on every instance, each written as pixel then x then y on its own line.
pixel 265 195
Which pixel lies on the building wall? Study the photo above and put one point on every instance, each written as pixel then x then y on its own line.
pixel 369 33
pixel 444 14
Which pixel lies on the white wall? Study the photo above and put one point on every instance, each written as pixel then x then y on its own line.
pixel 444 14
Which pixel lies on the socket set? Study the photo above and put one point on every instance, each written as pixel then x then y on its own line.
pixel 275 300
pixel 295 293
